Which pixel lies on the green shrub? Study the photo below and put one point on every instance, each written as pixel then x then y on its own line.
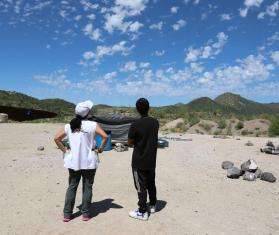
pixel 246 132
pixel 193 119
pixel 205 126
pixel 222 124
pixel 273 129
pixel 181 127
pixel 239 125
pixel 229 129
pixel 217 133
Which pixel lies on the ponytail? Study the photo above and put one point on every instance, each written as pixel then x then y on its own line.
pixel 76 123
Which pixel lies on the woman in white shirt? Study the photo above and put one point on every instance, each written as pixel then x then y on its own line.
pixel 80 160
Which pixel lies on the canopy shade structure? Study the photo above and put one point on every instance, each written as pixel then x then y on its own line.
pixel 25 114
pixel 117 125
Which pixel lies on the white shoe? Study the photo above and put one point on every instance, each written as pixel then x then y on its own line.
pixel 152 209
pixel 138 215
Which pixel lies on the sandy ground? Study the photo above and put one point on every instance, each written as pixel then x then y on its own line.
pixel 195 195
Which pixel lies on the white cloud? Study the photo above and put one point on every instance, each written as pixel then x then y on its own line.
pixel 174 9
pixel 78 17
pixel 57 79
pixel 129 66
pixel 275 57
pixel 87 5
pixel 116 18
pixel 159 53
pixel 134 27
pixel 144 65
pixel 179 24
pixel 271 11
pixel 273 38
pixel 157 26
pixel 110 76
pixel 209 50
pixel 91 17
pixel 91 33
pixel 102 51
pixel 226 17
pixel 88 55
pixel 248 4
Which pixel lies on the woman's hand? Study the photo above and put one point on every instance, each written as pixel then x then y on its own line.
pixel 100 150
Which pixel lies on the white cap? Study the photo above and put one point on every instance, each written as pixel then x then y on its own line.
pixel 83 108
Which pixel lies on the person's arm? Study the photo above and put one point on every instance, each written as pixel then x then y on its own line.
pixel 58 140
pixel 131 135
pixel 104 136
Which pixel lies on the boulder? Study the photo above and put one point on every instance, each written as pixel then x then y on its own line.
pixel 269 177
pixel 249 165
pixel 258 173
pixel 249 143
pixel 3 117
pixel 249 176
pixel 41 148
pixel 234 173
pixel 227 165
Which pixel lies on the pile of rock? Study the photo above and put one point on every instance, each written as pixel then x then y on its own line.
pixel 119 147
pixel 3 117
pixel 249 171
pixel 270 148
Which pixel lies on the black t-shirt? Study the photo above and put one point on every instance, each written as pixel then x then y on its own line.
pixel 144 132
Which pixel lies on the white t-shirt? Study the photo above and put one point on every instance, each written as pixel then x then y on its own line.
pixel 81 156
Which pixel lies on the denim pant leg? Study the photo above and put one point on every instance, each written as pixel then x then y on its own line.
pixel 74 178
pixel 87 184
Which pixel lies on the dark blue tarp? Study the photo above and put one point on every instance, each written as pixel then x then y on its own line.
pixel 117 125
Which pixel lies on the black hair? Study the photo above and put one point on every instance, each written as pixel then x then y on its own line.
pixel 75 123
pixel 142 106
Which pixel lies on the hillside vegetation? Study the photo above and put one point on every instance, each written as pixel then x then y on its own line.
pixel 227 106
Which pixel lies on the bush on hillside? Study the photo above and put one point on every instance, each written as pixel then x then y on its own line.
pixel 193 120
pixel 205 126
pixel 239 125
pixel 222 124
pixel 273 129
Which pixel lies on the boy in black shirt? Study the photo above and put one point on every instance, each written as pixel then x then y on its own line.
pixel 143 135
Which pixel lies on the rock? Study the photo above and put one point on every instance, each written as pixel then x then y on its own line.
pixel 270 144
pixel 249 176
pixel 119 147
pixel 41 148
pixel 249 165
pixel 249 143
pixel 234 173
pixel 258 173
pixel 269 177
pixel 3 117
pixel 227 165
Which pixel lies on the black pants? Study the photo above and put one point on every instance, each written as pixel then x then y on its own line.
pixel 87 184
pixel 145 182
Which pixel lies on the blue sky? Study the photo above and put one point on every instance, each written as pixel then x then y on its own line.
pixel 114 52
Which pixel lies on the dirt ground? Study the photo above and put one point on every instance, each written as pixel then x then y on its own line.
pixel 195 195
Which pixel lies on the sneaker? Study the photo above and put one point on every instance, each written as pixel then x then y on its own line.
pixel 138 215
pixel 152 209
pixel 86 217
pixel 67 218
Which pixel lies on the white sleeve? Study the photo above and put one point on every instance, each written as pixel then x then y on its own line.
pixel 67 129
pixel 94 127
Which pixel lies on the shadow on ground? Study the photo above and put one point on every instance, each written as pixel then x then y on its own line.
pixel 99 207
pixel 160 205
